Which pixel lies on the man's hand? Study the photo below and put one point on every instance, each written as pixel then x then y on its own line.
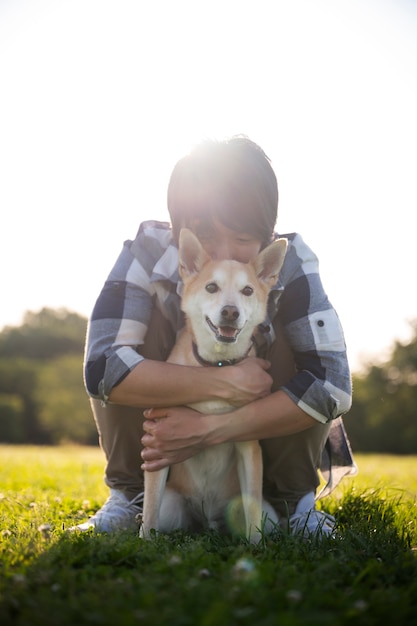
pixel 247 381
pixel 172 435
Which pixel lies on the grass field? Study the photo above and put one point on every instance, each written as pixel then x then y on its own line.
pixel 50 577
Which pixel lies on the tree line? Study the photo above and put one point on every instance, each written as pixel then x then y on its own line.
pixel 42 395
pixel 383 417
pixel 43 400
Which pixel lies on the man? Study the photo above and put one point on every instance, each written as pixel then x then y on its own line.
pixel 287 397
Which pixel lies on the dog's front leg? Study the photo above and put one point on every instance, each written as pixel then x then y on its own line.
pixel 249 465
pixel 154 490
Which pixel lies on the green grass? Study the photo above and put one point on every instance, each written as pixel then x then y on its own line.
pixel 50 577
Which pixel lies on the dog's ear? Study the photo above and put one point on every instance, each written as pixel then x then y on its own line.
pixel 192 256
pixel 269 261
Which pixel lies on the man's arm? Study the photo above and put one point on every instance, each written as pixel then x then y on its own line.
pixel 158 384
pixel 172 435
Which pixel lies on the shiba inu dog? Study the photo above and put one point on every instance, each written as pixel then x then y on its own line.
pixel 224 302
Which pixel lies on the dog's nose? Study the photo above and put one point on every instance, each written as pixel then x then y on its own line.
pixel 229 313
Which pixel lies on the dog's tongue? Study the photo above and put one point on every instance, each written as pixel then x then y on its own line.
pixel 227 331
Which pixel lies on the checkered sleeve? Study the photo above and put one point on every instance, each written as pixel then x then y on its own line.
pixel 322 384
pixel 120 318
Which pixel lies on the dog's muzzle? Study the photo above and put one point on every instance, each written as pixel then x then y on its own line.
pixel 226 333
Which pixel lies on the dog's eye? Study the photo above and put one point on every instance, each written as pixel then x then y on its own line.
pixel 212 287
pixel 247 291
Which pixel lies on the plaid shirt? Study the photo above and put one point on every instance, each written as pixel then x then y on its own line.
pixel 146 275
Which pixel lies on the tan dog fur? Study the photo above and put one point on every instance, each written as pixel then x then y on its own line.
pixel 224 302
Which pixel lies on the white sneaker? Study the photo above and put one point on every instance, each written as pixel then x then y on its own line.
pixel 117 513
pixel 307 521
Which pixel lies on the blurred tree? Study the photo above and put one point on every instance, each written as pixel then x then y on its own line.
pixel 18 384
pixel 383 417
pixel 65 409
pixel 403 364
pixel 44 335
pixel 11 418
pixel 41 387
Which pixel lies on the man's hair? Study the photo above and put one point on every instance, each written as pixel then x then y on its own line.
pixel 231 181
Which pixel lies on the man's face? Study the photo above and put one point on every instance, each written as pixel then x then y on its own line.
pixel 221 242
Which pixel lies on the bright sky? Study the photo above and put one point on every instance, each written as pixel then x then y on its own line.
pixel 100 98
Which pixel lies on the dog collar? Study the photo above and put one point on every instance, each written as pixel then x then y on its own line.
pixel 222 362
